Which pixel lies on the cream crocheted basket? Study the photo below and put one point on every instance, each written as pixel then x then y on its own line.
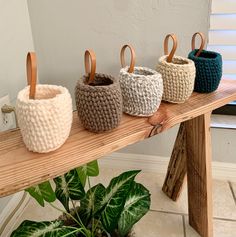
pixel 45 120
pixel 141 88
pixel 178 75
pixel 98 99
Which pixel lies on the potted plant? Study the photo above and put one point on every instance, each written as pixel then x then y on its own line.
pixel 108 211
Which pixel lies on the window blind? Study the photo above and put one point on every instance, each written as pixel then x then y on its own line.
pixel 222 34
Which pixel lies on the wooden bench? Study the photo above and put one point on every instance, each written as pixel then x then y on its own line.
pixel 20 169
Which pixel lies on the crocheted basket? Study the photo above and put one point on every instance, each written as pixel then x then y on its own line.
pixel 141 87
pixel 44 113
pixel 208 67
pixel 98 98
pixel 178 74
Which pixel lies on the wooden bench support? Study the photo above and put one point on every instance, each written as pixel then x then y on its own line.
pixel 192 155
pixel 177 168
pixel 199 174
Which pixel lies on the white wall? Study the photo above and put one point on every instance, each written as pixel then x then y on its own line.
pixel 15 42
pixel 62 30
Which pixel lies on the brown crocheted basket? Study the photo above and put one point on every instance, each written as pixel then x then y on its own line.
pixel 98 98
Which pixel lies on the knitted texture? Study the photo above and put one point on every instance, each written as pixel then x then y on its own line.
pixel 45 122
pixel 208 70
pixel 99 105
pixel 141 91
pixel 178 78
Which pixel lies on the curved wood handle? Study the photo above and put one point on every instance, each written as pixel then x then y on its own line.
pixel 203 41
pixel 90 71
pixel 174 47
pixel 31 68
pixel 122 57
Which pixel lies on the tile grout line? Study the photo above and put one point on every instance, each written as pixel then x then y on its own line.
pixel 169 212
pixel 184 226
pixel 183 214
pixel 232 191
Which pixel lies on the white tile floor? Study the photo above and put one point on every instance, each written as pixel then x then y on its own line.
pixel 166 218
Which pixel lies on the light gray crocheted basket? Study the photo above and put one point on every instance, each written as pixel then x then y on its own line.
pixel 141 91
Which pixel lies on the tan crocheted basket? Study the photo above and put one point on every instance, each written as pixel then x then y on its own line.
pixel 141 87
pixel 178 74
pixel 44 113
pixel 98 98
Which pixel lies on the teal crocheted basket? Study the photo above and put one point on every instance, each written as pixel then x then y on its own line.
pixel 208 70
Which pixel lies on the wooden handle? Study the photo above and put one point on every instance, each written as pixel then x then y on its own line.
pixel 172 53
pixel 31 68
pixel 203 41
pixel 90 71
pixel 122 57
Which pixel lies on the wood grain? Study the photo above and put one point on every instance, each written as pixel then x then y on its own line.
pixel 20 168
pixel 177 168
pixel 169 114
pixel 199 174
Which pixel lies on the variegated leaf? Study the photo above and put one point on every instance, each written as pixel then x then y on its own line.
pixel 43 229
pixel 90 169
pixel 90 202
pixel 68 186
pixel 136 206
pixel 114 199
pixel 42 192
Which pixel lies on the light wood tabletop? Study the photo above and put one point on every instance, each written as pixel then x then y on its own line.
pixel 20 169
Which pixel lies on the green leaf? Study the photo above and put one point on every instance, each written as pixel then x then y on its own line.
pixel 43 229
pixel 91 202
pixel 136 206
pixel 68 186
pixel 42 192
pixel 90 169
pixel 114 199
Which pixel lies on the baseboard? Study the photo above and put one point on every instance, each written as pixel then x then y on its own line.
pixel 159 164
pixel 11 212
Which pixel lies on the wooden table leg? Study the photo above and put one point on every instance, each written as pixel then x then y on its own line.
pixel 177 168
pixel 193 147
pixel 199 174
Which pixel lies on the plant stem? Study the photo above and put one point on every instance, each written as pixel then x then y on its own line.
pixel 83 230
pixel 81 223
pixel 65 212
pixel 92 209
pixel 72 232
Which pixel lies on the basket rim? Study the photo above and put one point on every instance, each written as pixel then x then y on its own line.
pixel 193 57
pixel 81 83
pixel 23 95
pixel 154 73
pixel 163 60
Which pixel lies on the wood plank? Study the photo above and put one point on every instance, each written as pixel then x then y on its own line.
pixel 20 168
pixel 168 115
pixel 177 168
pixel 199 174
